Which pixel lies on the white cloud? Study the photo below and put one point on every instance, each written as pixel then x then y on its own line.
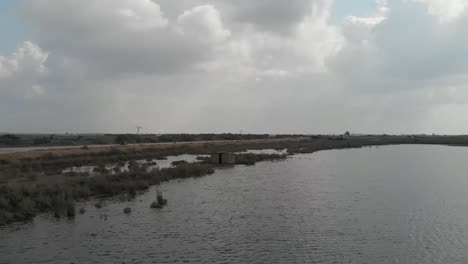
pixel 126 37
pixel 23 70
pixel 254 52
pixel 140 15
pixel 269 66
pixel 316 38
pixel 446 10
pixel 28 59
pixel 367 21
pixel 203 23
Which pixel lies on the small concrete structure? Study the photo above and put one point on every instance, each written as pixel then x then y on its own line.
pixel 223 158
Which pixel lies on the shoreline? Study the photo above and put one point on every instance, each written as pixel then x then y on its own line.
pixel 22 201
pixel 36 184
pixel 47 162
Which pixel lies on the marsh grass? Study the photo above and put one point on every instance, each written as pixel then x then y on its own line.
pixel 160 201
pixel 23 201
pixel 53 164
pixel 251 158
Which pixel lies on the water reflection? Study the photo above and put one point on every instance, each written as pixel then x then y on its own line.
pixel 154 163
pixel 151 164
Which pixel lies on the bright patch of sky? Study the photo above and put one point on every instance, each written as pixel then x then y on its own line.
pixel 12 29
pixel 344 8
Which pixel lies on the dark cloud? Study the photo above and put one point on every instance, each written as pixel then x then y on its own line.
pixel 114 37
pixel 276 15
pixel 257 66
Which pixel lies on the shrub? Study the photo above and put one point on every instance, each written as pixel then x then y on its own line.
pixel 178 162
pixel 251 158
pixel 26 208
pixel 42 141
pixel 70 208
pixel 156 205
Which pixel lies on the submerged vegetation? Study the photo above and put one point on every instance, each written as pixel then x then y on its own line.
pixel 53 164
pixel 160 201
pixel 22 201
pixel 251 159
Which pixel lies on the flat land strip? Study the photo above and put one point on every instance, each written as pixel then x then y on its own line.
pixel 62 151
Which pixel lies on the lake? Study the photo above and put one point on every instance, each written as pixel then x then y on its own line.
pixel 392 204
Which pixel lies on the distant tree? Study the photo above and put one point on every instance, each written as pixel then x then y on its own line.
pixel 121 139
pixel 9 139
pixel 42 141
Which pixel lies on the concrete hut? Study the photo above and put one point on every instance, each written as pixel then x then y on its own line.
pixel 223 158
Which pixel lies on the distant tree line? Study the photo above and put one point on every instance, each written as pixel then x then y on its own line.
pixel 25 140
pixel 165 138
pixel 9 140
pixel 209 137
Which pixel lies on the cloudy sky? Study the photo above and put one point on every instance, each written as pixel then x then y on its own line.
pixel 275 66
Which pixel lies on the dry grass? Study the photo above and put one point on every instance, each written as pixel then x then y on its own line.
pixel 70 151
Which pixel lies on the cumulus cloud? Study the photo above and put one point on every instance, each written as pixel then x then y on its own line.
pixel 202 23
pixel 28 59
pixel 258 53
pixel 140 15
pixel 22 71
pixel 126 37
pixel 260 66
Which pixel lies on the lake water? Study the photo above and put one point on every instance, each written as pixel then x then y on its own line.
pixel 395 204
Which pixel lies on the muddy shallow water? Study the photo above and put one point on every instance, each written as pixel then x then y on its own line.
pixel 161 163
pixel 395 204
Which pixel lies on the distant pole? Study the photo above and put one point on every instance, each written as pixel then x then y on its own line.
pixel 138 129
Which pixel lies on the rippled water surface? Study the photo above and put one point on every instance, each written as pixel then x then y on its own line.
pixel 396 204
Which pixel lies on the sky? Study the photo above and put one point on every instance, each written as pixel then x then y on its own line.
pixel 11 26
pixel 264 66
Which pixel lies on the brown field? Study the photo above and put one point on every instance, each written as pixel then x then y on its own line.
pixel 32 153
